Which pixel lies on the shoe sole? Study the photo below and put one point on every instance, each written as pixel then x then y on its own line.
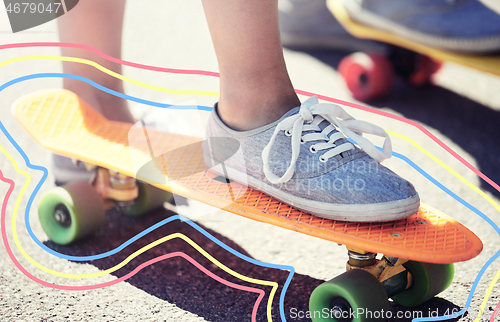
pixel 386 211
pixel 474 46
pixel 344 43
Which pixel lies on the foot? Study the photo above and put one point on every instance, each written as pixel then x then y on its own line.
pixel 309 24
pixel 110 106
pixel 458 25
pixel 304 160
pixel 66 170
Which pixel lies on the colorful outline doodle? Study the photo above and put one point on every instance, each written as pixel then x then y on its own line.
pixel 205 73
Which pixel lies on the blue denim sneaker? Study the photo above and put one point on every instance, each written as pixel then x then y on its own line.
pixel 304 160
pixel 456 25
pixel 308 24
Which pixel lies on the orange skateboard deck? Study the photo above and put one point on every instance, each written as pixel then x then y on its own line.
pixel 489 64
pixel 59 121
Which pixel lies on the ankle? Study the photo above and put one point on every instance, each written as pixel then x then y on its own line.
pixel 248 114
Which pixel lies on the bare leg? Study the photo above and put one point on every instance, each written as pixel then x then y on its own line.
pixel 95 23
pixel 255 87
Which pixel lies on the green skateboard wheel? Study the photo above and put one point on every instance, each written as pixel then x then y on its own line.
pixel 354 296
pixel 71 212
pixel 149 198
pixel 428 281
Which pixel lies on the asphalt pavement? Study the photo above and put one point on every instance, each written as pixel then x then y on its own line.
pixel 462 110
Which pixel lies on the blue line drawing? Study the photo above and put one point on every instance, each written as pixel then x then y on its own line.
pixel 194 225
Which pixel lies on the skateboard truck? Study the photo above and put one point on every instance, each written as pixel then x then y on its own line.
pixel 115 188
pixel 389 270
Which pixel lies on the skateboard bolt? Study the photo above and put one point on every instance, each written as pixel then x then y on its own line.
pixel 363 79
pixel 361 260
pixel 62 216
pixel 339 306
pixel 121 181
pixel 124 204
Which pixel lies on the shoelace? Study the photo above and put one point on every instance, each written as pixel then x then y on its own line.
pixel 312 113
